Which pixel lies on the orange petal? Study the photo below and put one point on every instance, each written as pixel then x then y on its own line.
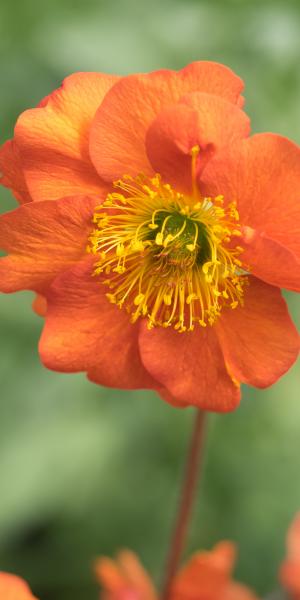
pixel 14 588
pixel 198 119
pixel 191 366
pixel 136 575
pixel 11 174
pixel 109 574
pixel 262 174
pixel 43 239
pixel 293 540
pixel 289 573
pixel 206 575
pixel 119 129
pixel 238 591
pixel 39 305
pixel 53 139
pixel 259 340
pixel 85 332
pixel 289 576
pixel 269 260
pixel 124 578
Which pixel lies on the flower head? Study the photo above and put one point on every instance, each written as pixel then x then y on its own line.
pixel 206 576
pixel 124 578
pixel 14 588
pixel 161 259
pixel 290 568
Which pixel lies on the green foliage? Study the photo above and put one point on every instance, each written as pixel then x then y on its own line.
pixel 85 470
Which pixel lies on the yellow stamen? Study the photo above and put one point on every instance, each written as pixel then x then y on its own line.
pixel 167 256
pixel 195 152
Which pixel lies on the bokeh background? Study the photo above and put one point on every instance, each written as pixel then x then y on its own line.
pixel 85 470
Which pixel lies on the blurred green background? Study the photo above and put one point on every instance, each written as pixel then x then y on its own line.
pixel 85 470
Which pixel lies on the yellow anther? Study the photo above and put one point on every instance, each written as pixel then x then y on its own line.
pixel 111 298
pixel 120 250
pixel 190 298
pixel 137 245
pixel 206 267
pixel 167 299
pixel 191 247
pixel 169 238
pixel 195 150
pixel 119 269
pixel 139 299
pixel 159 239
pixel 202 323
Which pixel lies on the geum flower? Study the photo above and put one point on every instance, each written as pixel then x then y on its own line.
pixel 191 228
pixel 13 587
pixel 206 576
pixel 290 569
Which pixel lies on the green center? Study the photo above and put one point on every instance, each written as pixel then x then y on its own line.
pixel 176 252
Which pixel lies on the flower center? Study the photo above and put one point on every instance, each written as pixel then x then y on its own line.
pixel 167 256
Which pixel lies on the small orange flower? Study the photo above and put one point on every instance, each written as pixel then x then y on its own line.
pixel 14 588
pixel 124 579
pixel 207 576
pixel 290 568
pixel 161 259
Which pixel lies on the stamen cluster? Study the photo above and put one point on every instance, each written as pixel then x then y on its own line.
pixel 167 256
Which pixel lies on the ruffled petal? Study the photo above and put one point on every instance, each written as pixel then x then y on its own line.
pixel 259 340
pixel 206 575
pixel 14 588
pixel 39 305
pixel 11 174
pixel 262 174
pixel 190 366
pixel 85 332
pixel 269 260
pixel 238 591
pixel 120 126
pixel 198 119
pixel 43 239
pixel 124 577
pixel 52 139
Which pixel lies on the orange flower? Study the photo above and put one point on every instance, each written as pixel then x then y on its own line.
pixel 124 579
pixel 14 588
pixel 191 228
pixel 290 569
pixel 207 576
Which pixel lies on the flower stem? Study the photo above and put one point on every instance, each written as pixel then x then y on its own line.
pixel 192 471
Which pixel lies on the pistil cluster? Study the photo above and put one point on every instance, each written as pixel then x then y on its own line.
pixel 167 256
